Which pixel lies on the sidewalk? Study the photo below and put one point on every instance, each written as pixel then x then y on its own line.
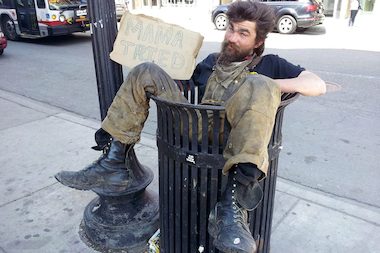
pixel 37 214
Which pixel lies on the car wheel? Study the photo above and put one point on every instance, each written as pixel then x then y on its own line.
pixel 286 24
pixel 9 29
pixel 221 21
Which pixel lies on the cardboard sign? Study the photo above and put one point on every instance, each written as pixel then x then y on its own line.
pixel 146 39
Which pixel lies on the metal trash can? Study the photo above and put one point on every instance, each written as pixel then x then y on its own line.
pixel 190 148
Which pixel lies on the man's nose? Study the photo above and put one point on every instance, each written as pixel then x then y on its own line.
pixel 232 36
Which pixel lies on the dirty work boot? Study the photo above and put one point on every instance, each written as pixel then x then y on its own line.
pixel 109 172
pixel 228 220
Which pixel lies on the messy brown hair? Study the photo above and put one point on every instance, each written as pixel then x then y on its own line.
pixel 251 10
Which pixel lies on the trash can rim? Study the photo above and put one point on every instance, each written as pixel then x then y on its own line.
pixel 187 105
pixel 286 99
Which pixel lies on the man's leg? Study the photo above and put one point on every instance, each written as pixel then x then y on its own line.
pixel 122 127
pixel 251 113
pixel 350 18
pixel 129 110
pixel 354 13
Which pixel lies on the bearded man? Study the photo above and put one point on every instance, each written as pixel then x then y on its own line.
pixel 239 78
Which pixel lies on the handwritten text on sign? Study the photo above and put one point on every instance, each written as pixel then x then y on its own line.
pixel 146 39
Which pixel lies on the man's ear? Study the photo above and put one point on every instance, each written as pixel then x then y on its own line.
pixel 259 43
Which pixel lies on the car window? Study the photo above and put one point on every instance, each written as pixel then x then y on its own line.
pixel 41 4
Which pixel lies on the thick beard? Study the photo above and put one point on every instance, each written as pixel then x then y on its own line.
pixel 230 53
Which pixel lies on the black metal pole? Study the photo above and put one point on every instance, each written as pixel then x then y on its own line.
pixel 117 219
pixel 109 74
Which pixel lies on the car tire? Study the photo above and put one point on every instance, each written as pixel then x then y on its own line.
pixel 286 24
pixel 9 29
pixel 1 51
pixel 221 21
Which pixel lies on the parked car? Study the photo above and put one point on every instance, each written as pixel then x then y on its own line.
pixel 3 43
pixel 290 15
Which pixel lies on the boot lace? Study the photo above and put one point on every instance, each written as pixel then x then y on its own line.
pixel 240 214
pixel 107 147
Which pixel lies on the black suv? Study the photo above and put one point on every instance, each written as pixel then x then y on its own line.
pixel 290 15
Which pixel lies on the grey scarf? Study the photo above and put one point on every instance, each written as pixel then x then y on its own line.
pixel 225 75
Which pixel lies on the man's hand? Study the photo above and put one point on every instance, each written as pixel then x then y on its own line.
pixel 307 84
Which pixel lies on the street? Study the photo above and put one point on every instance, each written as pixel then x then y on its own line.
pixel 330 142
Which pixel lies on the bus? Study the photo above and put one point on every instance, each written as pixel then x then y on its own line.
pixel 42 18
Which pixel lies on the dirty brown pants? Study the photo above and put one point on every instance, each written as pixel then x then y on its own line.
pixel 250 111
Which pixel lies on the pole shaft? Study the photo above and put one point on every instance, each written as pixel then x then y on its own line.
pixel 109 74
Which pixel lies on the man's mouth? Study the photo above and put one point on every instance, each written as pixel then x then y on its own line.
pixel 230 46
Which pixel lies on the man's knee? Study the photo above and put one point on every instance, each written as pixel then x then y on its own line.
pixel 149 67
pixel 265 87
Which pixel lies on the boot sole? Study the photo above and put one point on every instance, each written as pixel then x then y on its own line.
pixel 71 186
pixel 108 189
pixel 229 250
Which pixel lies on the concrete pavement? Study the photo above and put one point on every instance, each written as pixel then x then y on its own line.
pixel 37 214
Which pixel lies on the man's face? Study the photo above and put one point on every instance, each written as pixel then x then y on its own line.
pixel 239 42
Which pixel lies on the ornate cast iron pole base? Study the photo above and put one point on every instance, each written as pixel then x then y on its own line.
pixel 123 220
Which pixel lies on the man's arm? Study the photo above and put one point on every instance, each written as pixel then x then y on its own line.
pixel 306 83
